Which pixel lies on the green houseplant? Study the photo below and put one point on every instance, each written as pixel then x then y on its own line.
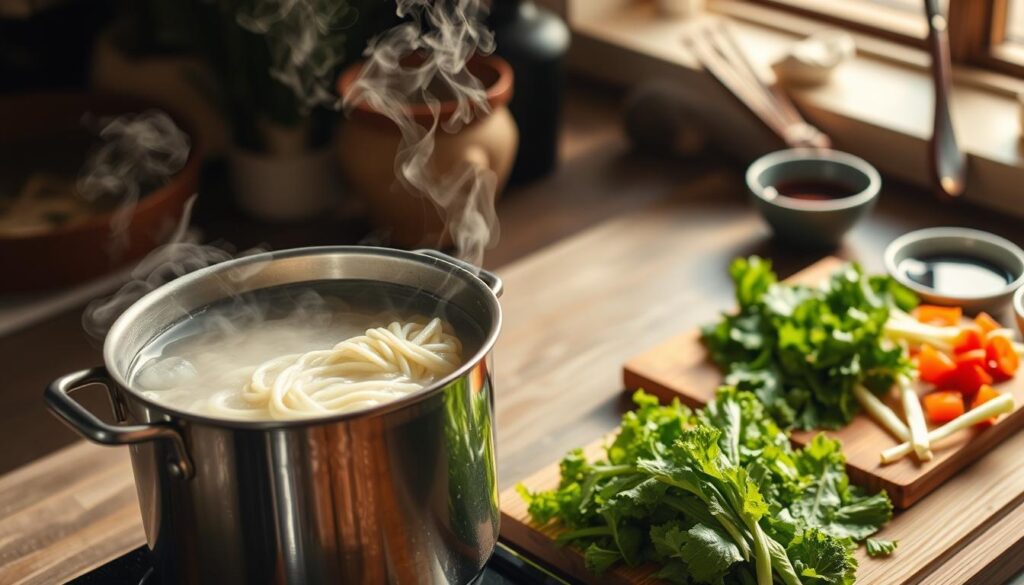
pixel 269 68
pixel 275 60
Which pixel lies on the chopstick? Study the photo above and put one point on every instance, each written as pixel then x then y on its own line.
pixel 736 83
pixel 718 52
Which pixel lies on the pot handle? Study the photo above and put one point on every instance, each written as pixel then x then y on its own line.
pixel 492 280
pixel 58 399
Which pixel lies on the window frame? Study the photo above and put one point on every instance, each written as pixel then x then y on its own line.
pixel 977 28
pixel 887 23
pixel 997 53
pixel 630 42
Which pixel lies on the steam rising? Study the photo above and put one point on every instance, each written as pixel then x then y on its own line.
pixel 139 152
pixel 180 256
pixel 306 44
pixel 446 34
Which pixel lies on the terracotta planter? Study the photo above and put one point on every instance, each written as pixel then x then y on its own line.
pixel 368 143
pixel 78 252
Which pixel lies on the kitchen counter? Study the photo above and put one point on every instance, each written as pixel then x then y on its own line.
pixel 652 265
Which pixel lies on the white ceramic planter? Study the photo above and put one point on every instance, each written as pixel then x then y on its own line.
pixel 285 187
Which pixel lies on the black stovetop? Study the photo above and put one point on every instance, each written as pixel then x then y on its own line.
pixel 506 567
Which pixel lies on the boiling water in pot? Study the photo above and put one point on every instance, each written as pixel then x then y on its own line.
pixel 305 350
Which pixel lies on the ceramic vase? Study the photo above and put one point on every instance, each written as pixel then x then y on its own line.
pixel 368 143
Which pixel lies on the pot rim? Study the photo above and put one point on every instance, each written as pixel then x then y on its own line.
pixel 499 93
pixel 143 304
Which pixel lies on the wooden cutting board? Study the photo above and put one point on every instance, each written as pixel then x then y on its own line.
pixel 680 368
pixel 518 531
pixel 539 541
pixel 933 537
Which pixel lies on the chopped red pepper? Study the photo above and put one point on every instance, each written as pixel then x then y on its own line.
pixel 1002 359
pixel 986 323
pixel 977 357
pixel 970 338
pixel 969 378
pixel 937 315
pixel 942 407
pixel 933 365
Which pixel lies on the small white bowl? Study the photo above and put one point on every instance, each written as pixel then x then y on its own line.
pixel 956 241
pixel 1018 308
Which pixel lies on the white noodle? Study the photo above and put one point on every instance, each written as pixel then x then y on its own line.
pixel 293 367
pixel 383 364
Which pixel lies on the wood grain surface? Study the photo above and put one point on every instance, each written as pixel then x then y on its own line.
pixel 571 322
pixel 575 311
pixel 680 368
pixel 66 514
pixel 950 536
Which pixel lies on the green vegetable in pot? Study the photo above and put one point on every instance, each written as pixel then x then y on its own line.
pixel 713 496
pixel 802 350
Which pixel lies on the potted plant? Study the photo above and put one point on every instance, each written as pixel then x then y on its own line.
pixel 273 59
pixel 273 65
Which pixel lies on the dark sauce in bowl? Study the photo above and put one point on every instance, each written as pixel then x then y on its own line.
pixel 956 275
pixel 813 189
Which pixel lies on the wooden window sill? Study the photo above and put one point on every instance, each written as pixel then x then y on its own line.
pixel 878 106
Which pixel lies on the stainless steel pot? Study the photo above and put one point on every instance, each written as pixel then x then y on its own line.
pixel 403 493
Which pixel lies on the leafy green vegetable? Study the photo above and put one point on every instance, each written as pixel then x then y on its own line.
pixel 598 560
pixel 713 497
pixel 801 350
pixel 707 553
pixel 880 548
pixel 821 558
pixel 828 501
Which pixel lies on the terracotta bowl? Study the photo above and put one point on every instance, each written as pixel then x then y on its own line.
pixel 75 253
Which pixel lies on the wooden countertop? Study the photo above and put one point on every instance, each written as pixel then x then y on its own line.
pixel 575 310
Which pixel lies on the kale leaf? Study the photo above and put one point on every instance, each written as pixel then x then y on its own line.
pixel 880 548
pixel 802 349
pixel 713 497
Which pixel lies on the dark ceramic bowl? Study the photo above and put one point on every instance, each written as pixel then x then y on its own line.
pixel 816 223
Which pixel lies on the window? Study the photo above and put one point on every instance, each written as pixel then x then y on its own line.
pixel 1007 35
pixel 882 106
pixel 901 20
pixel 1014 29
pixel 986 33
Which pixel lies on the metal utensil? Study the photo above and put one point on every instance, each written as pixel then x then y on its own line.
pixel 718 52
pixel 405 492
pixel 948 163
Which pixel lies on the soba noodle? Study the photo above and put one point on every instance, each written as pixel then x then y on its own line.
pixel 381 365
